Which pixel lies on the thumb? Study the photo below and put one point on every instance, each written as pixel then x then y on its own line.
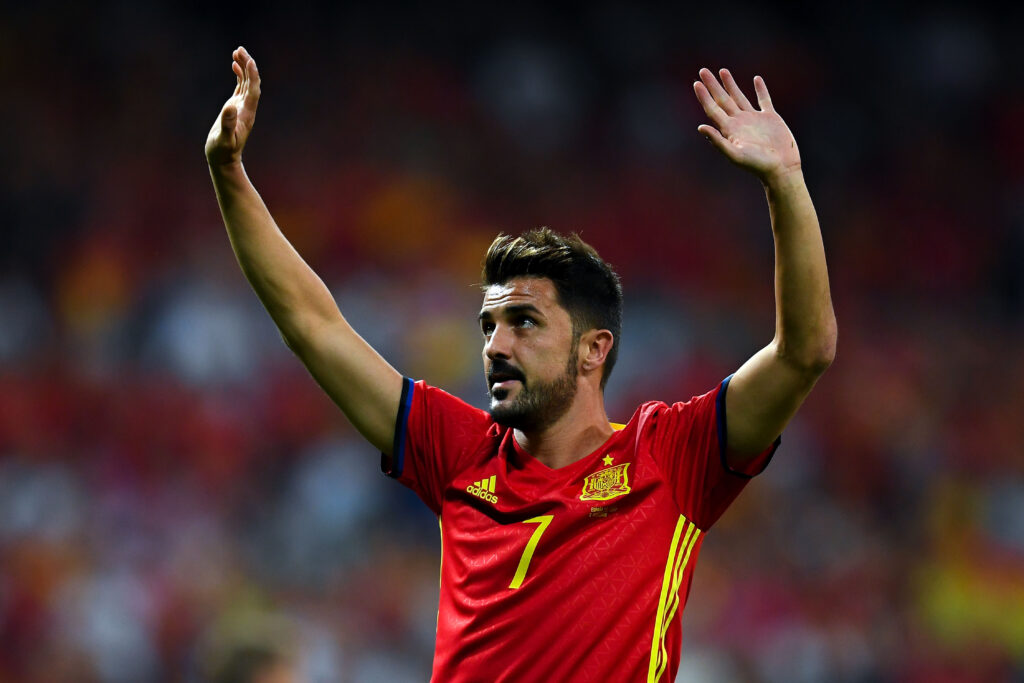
pixel 227 119
pixel 717 139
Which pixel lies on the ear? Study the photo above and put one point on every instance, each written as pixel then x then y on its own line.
pixel 594 347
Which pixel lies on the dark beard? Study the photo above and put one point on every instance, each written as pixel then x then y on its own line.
pixel 542 404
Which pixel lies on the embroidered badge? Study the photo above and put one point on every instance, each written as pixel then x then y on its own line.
pixel 611 482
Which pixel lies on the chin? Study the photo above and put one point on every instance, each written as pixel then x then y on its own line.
pixel 506 411
pixel 507 416
pixel 503 410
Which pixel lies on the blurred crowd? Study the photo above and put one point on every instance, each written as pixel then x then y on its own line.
pixel 175 490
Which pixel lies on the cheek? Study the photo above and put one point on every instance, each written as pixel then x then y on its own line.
pixel 550 359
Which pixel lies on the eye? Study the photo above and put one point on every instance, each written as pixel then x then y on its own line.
pixel 527 321
pixel 486 327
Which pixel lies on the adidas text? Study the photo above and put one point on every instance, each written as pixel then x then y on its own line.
pixel 483 489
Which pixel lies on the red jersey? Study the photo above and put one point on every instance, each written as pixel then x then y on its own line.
pixel 571 574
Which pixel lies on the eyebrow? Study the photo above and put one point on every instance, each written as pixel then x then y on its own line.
pixel 513 309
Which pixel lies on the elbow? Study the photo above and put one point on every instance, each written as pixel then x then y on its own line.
pixel 825 349
pixel 823 359
pixel 815 356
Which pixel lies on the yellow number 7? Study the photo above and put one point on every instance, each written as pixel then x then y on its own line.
pixel 524 561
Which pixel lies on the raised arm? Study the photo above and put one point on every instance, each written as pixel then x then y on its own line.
pixel 355 376
pixel 767 390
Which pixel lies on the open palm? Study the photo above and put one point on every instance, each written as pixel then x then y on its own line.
pixel 227 137
pixel 756 139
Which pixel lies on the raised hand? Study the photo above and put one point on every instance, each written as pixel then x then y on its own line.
pixel 755 139
pixel 231 129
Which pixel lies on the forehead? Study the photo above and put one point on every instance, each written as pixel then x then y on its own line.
pixel 539 292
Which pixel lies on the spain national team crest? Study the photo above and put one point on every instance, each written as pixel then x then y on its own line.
pixel 611 482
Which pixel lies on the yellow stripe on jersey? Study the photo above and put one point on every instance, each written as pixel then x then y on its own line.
pixel 655 650
pixel 691 535
pixel 675 568
pixel 616 426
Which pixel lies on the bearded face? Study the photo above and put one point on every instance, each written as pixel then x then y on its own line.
pixel 530 353
pixel 533 404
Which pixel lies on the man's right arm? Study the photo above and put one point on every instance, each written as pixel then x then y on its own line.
pixel 354 375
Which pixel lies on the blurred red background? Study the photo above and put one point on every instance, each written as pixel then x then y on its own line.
pixel 169 471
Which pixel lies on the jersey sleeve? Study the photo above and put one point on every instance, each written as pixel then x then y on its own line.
pixel 688 441
pixel 434 433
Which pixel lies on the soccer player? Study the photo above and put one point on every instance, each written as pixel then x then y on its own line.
pixel 568 542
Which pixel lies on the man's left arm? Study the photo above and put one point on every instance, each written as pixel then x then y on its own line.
pixel 767 390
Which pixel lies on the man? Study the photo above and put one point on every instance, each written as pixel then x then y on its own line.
pixel 568 542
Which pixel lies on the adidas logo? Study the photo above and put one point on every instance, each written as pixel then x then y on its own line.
pixel 484 489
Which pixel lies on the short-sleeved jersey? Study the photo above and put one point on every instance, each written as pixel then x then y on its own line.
pixel 572 574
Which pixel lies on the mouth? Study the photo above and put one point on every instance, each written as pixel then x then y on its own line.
pixel 502 381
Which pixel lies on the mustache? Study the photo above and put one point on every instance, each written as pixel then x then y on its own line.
pixel 502 370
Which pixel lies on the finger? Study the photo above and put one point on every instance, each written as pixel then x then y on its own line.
pixel 227 120
pixel 242 58
pixel 246 58
pixel 252 95
pixel 717 139
pixel 238 76
pixel 764 100
pixel 711 108
pixel 722 98
pixel 734 90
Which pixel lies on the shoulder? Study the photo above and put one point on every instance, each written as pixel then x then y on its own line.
pixel 652 414
pixel 445 409
pixel 420 390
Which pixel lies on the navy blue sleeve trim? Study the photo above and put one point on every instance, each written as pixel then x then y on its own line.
pixel 723 446
pixel 392 466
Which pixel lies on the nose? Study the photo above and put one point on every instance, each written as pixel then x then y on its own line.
pixel 499 344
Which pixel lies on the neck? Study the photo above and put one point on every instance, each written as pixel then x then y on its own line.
pixel 579 432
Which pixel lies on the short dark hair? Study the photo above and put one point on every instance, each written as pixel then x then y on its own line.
pixel 588 289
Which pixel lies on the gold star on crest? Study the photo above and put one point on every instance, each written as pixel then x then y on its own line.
pixel 608 460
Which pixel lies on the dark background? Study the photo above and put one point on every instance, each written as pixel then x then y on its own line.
pixel 169 473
